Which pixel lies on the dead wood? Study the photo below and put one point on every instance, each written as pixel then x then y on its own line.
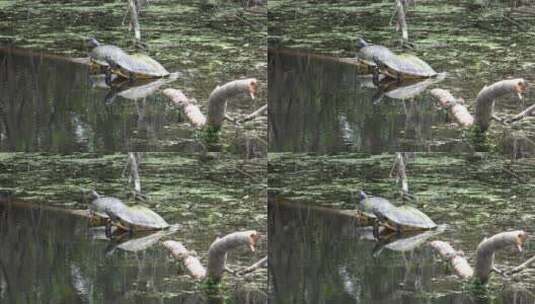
pixel 190 260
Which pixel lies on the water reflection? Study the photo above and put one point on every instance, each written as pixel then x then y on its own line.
pixel 319 104
pixel 322 105
pixel 52 257
pixel 317 256
pixel 53 103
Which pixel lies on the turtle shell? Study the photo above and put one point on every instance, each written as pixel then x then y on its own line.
pixel 127 66
pixel 366 54
pixel 104 205
pixel 407 218
pixel 139 218
pixel 371 206
pixel 101 54
pixel 405 66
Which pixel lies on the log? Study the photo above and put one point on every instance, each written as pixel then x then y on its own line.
pixel 191 262
pixel 217 101
pixel 188 107
pixel 456 258
pixel 486 249
pixel 455 107
pixel 487 96
pixel 217 253
pixel 484 254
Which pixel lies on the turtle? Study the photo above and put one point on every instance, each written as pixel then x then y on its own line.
pixel 127 218
pixel 113 59
pixel 399 219
pixel 404 66
pixel 367 52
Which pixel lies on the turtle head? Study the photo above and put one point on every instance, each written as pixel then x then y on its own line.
pixel 361 43
pixel 362 195
pixel 92 42
pixel 93 195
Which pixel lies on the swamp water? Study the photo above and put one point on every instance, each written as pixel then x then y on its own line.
pixel 320 105
pixel 47 254
pixel 51 104
pixel 318 255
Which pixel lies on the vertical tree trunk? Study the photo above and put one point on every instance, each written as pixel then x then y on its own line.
pixel 402 22
pixel 134 19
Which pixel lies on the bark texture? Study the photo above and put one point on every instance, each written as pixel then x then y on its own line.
pixel 188 107
pixel 217 253
pixel 487 96
pixel 189 259
pixel 217 102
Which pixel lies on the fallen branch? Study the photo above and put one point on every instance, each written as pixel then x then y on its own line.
pixel 484 102
pixel 486 249
pixel 260 264
pixel 189 259
pixel 484 254
pixel 455 107
pixel 217 102
pixel 486 97
pixel 255 114
pixel 188 107
pixel 217 253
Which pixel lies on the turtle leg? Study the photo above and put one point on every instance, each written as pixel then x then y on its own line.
pixel 108 77
pixel 398 229
pixel 108 228
pixel 376 230
pixel 376 75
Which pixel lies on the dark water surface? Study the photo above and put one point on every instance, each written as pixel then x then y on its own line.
pixel 49 255
pixel 53 257
pixel 50 103
pixel 321 256
pixel 318 105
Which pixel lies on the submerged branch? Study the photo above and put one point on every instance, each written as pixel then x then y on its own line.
pixel 190 260
pixel 455 107
pixel 456 258
pixel 188 107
